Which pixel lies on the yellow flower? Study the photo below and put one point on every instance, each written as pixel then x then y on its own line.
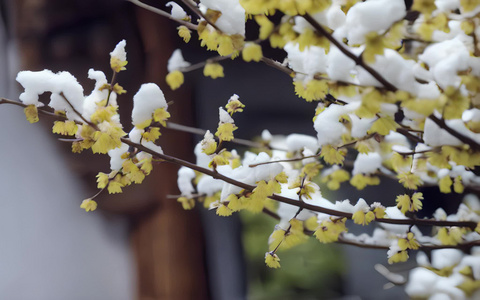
pixel 330 230
pixel 409 180
pixel 234 105
pixel 332 155
pixel 175 79
pixel 445 184
pixel 252 51
pixel 374 45
pixel 363 218
pixel 223 211
pixel 102 180
pixel 213 70
pixel 409 242
pixel 313 90
pixel 266 26
pixel 31 113
pixel 398 256
pixel 383 125
pixel 272 260
pixel 225 131
pixel 65 128
pixel 187 203
pixel 152 134
pixel 117 65
pixel 161 115
pixel 450 236
pixel 88 205
pixel 405 203
pixel 184 33
pixel 360 181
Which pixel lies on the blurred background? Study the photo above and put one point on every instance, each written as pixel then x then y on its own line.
pixel 142 244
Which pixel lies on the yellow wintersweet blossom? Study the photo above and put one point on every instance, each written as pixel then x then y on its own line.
pixel 424 6
pixel 161 116
pixel 225 131
pixel 132 171
pixel 115 186
pixel 223 210
pixel 378 210
pixel 102 180
pixel 152 134
pixel 88 205
pixel 65 128
pixel 146 165
pixel 360 181
pixel 329 230
pixel 426 28
pixel 235 203
pixel 252 51
pixel 105 141
pixel 175 79
pixel 405 203
pixel 399 256
pixel 450 236
pixel 286 239
pixel 234 106
pixel 266 26
pixel 363 218
pixel 213 70
pixel 313 90
pixel 383 125
pixel 458 185
pixel 445 184
pixel 409 242
pixel 31 112
pixel 256 200
pixel 374 45
pixel 409 180
pixel 272 260
pixel 187 203
pixel 334 179
pixel 468 5
pixel 184 33
pixel 209 146
pixel 102 114
pixel 332 155
pixel 438 159
pixel 117 65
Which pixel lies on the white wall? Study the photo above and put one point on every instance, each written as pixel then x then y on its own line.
pixel 49 247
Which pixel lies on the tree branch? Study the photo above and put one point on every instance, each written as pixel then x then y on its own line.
pixel 299 204
pixel 357 59
pixel 163 14
pixel 464 139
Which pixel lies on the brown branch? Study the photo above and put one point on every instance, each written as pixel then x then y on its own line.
pixel 357 59
pixel 276 65
pixel 203 63
pixel 198 131
pixel 283 160
pixel 464 139
pixel 299 204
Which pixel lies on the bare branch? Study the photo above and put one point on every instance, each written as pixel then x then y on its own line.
pixel 357 59
pixel 163 14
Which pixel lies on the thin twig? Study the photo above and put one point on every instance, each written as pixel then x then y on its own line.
pixel 357 59
pixel 163 14
pixel 196 10
pixel 464 139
